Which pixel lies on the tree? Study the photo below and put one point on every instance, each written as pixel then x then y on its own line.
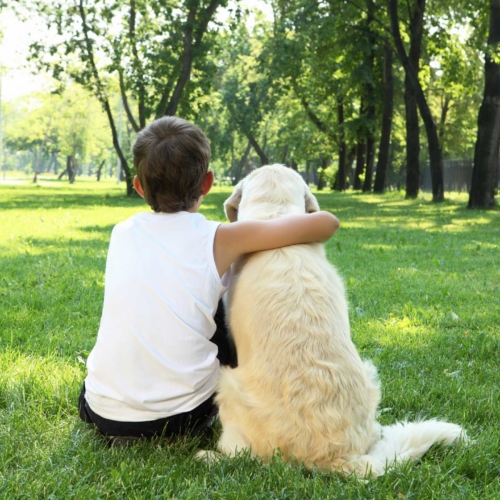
pixel 70 124
pixel 411 72
pixel 416 29
pixel 159 60
pixel 388 105
pixel 321 53
pixel 370 96
pixel 486 154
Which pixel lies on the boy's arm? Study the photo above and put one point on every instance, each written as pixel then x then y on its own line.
pixel 238 238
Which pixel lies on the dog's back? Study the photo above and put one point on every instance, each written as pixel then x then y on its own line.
pixel 306 391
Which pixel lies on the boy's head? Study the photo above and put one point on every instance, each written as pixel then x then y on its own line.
pixel 171 158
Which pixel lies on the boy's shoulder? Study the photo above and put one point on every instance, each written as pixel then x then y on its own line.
pixel 162 219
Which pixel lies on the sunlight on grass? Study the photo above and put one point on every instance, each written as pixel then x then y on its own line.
pixel 38 379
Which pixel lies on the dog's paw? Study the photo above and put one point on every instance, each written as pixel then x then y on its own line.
pixel 207 456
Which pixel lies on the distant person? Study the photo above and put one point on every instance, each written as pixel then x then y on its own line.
pixel 153 370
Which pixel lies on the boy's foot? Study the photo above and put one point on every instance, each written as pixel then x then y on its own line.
pixel 122 441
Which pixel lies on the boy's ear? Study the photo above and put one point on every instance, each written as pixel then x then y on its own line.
pixel 138 187
pixel 232 204
pixel 207 183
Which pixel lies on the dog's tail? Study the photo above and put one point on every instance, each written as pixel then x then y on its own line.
pixel 404 442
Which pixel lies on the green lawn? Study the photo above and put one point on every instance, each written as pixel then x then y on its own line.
pixel 424 290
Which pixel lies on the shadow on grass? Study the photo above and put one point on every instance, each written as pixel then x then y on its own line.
pixel 66 200
pixel 30 198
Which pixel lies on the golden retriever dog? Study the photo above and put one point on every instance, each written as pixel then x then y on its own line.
pixel 300 386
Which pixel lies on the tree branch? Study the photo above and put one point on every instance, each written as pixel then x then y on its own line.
pixel 207 15
pixel 101 95
pixel 189 53
pixel 251 139
pixel 186 62
pixel 384 27
pixel 135 53
pixel 311 114
pixel 130 116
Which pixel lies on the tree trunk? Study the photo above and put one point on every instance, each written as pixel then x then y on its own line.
pixel 186 64
pixel 370 160
pixel 442 123
pixel 71 168
pixel 411 107
pixel 351 156
pixel 141 108
pixel 486 152
pixel 52 162
pixel 103 98
pixel 388 108
pixel 322 177
pixel 99 170
pixel 435 152
pixel 360 164
pixel 239 168
pixel 284 155
pixel 192 43
pixel 340 182
pixel 370 100
pixel 56 163
pixel 293 165
pixel 36 164
pixel 264 160
pixel 412 142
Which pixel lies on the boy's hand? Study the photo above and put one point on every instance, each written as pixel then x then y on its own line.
pixel 241 237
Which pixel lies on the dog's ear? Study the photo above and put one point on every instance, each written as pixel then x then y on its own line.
pixel 232 204
pixel 311 202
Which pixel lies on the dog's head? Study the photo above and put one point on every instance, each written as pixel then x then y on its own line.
pixel 270 192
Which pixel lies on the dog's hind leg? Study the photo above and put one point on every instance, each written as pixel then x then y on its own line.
pixel 232 441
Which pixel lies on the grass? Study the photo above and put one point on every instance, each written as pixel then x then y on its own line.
pixel 424 290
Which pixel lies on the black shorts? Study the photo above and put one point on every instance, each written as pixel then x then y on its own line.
pixel 193 423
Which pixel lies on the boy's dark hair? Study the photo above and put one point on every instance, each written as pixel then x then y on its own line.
pixel 171 158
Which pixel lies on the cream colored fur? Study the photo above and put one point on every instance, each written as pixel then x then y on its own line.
pixel 300 385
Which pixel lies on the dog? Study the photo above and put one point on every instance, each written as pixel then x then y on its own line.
pixel 300 386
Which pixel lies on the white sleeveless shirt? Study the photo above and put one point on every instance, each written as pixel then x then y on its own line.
pixel 153 357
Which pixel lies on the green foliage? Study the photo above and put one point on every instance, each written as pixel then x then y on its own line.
pixel 144 41
pixel 275 83
pixel 423 285
pixel 70 123
pixel 454 79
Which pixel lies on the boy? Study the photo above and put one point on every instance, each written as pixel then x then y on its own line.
pixel 154 368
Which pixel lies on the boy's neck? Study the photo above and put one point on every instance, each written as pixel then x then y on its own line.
pixel 194 209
